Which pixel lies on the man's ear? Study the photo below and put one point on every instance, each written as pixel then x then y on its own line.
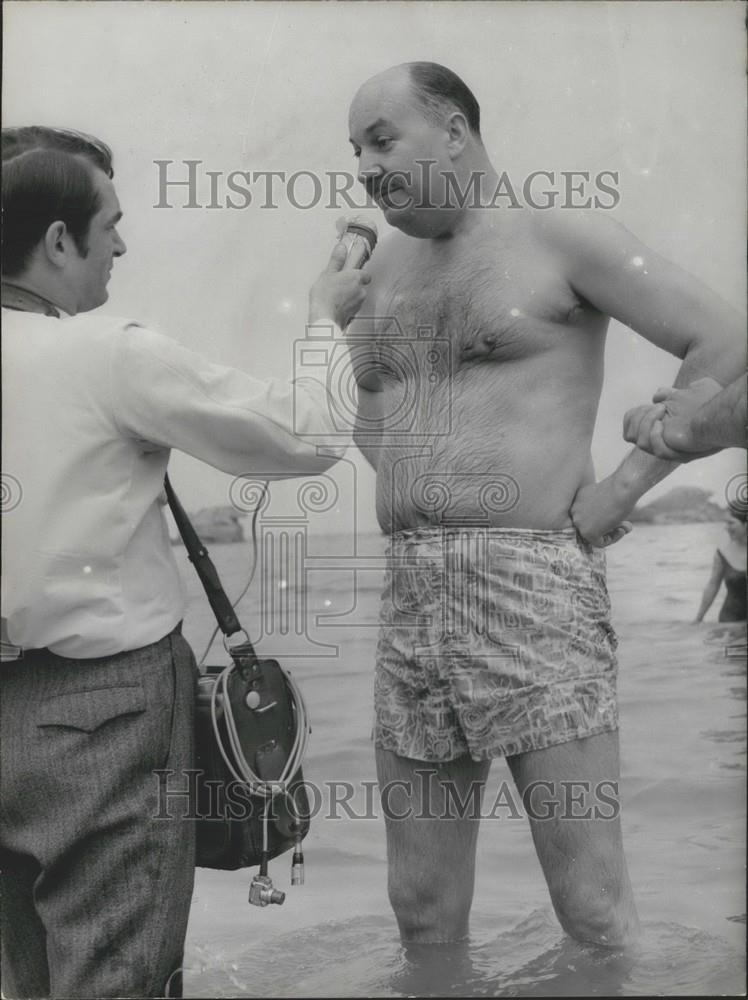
pixel 458 131
pixel 57 244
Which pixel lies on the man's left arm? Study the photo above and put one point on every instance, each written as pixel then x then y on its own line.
pixel 616 273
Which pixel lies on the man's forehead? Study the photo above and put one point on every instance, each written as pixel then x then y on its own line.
pixel 385 95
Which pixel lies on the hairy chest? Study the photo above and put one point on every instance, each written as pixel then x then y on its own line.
pixel 478 305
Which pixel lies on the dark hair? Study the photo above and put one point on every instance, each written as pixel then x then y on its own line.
pixel 47 177
pixel 438 89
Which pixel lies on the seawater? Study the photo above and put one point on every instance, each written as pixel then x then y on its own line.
pixel 683 760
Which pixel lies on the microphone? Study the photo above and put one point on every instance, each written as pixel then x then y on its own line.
pixel 359 236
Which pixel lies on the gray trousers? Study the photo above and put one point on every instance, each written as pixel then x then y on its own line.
pixel 96 890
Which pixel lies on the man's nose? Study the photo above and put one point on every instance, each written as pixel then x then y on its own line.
pixel 368 170
pixel 120 247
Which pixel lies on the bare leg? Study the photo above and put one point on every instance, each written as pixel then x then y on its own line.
pixel 582 858
pixel 432 814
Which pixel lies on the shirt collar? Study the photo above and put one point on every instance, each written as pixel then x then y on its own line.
pixel 24 300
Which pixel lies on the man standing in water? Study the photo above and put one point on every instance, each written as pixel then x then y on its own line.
pixel 479 381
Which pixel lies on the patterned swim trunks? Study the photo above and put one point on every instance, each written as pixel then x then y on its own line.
pixel 492 641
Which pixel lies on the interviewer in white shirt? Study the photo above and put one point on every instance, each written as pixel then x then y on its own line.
pixel 96 892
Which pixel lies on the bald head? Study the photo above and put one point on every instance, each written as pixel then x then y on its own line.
pixel 435 89
pixel 413 129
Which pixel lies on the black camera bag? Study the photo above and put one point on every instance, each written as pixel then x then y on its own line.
pixel 229 827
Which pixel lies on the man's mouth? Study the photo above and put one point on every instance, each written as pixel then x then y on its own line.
pixel 390 194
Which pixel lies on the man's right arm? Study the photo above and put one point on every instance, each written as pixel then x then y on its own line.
pixel 165 396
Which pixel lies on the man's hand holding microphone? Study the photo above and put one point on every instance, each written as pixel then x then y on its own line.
pixel 340 290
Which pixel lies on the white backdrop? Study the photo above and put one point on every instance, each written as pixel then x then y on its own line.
pixel 655 91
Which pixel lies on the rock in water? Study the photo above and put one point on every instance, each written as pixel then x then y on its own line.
pixel 680 505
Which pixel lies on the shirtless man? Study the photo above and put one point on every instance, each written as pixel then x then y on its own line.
pixel 479 377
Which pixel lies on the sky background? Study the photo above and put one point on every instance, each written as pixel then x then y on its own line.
pixel 655 91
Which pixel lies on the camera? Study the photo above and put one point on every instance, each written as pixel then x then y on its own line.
pixel 414 369
pixel 262 893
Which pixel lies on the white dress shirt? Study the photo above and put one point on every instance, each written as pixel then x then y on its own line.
pixel 92 406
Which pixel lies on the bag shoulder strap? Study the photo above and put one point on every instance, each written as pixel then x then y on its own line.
pixel 198 555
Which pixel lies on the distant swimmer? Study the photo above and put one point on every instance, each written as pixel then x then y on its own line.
pixel 479 361
pixel 685 424
pixel 728 568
